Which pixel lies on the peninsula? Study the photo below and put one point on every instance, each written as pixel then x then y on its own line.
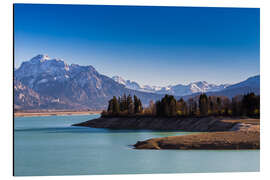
pixel 220 124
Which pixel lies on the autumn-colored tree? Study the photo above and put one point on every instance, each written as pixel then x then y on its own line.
pixel 182 108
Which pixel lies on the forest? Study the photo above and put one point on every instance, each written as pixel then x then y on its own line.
pixel 199 106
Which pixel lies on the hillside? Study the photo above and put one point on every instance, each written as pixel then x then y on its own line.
pixel 68 86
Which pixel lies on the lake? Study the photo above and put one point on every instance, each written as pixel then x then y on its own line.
pixel 49 145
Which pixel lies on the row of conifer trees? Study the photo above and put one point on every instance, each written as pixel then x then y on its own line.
pixel 203 105
pixel 124 105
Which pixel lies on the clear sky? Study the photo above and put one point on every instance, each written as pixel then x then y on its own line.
pixel 150 45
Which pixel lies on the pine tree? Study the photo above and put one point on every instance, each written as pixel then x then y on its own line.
pixel 137 105
pixel 152 107
pixel 124 104
pixel 250 103
pixel 172 107
pixel 219 105
pixel 227 106
pixel 129 100
pixel 115 105
pixel 140 107
pixel 159 108
pixel 211 105
pixel 167 106
pixel 131 109
pixel 110 106
pixel 203 105
pixel 236 106
pixel 130 104
pixel 192 106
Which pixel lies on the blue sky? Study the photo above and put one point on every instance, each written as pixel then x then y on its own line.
pixel 150 45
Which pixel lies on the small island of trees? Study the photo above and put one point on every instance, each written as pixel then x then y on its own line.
pixel 200 106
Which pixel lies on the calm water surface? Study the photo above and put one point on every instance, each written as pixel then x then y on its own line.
pixel 51 146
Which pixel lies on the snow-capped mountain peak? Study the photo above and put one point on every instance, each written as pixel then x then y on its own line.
pixel 46 61
pixel 203 86
pixel 127 83
pixel 42 64
pixel 179 89
pixel 39 58
pixel 42 69
pixel 119 79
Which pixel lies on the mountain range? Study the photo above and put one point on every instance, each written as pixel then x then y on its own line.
pixel 176 90
pixel 252 84
pixel 50 83
pixel 46 83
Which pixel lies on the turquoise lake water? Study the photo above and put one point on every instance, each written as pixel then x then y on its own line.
pixel 51 146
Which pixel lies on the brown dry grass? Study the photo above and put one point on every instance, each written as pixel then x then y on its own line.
pixel 209 140
pixel 245 120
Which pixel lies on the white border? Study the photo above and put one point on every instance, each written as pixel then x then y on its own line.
pixel 6 85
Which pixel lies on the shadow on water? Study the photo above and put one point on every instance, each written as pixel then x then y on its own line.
pixel 73 129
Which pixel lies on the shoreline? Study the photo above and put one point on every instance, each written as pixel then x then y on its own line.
pixel 244 135
pixel 191 124
pixel 230 140
pixel 212 133
pixel 54 113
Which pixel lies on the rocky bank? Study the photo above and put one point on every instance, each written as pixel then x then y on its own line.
pixel 206 124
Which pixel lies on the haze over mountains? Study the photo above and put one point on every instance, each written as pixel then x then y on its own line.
pixel 50 83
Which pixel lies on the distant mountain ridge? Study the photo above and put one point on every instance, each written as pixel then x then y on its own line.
pixel 127 83
pixel 67 86
pixel 177 90
pixel 252 84
pixel 51 83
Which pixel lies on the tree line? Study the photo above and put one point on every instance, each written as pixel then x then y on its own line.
pixel 202 105
pixel 124 105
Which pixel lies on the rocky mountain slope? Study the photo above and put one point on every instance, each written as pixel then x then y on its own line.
pixel 68 86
